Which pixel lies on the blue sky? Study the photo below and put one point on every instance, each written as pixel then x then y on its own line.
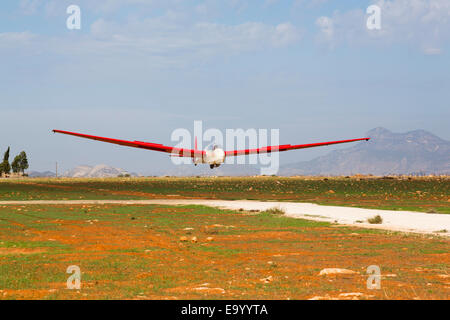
pixel 140 69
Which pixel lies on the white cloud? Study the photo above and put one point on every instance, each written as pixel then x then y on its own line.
pixel 14 40
pixel 285 34
pixel 165 35
pixel 30 6
pixel 201 9
pixel 326 26
pixel 268 3
pixel 108 7
pixel 421 23
pixel 432 51
pixel 309 3
pixel 167 40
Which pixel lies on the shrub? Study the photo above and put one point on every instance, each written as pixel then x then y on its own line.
pixel 277 211
pixel 375 220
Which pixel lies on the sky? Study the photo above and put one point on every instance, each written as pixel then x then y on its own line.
pixel 139 69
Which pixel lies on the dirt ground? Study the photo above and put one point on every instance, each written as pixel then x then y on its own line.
pixel 194 252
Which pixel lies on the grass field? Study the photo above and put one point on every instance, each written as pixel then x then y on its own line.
pixel 416 194
pixel 140 252
pixel 194 252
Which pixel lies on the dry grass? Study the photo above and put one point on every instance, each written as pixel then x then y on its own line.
pixel 423 194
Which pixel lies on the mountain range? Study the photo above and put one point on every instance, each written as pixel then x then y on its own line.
pixel 98 171
pixel 85 171
pixel 415 152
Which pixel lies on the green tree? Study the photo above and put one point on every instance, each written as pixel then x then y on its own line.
pixel 23 161
pixel 5 167
pixel 15 165
pixel 20 163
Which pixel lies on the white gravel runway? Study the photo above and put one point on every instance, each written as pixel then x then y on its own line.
pixel 406 221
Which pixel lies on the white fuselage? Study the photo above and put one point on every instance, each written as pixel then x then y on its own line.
pixel 212 157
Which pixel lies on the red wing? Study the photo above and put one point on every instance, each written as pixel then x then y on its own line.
pixel 139 144
pixel 286 147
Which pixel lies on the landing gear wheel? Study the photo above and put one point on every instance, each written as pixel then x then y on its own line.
pixel 211 166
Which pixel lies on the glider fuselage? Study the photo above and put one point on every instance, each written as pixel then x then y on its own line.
pixel 213 157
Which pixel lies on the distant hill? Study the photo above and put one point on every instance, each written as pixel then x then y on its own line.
pixel 98 171
pixel 414 152
pixel 37 174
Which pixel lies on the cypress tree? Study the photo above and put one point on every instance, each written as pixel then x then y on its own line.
pixel 6 168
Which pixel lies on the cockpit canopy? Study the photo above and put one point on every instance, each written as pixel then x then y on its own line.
pixel 213 147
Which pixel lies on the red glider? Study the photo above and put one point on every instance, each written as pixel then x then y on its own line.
pixel 214 157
